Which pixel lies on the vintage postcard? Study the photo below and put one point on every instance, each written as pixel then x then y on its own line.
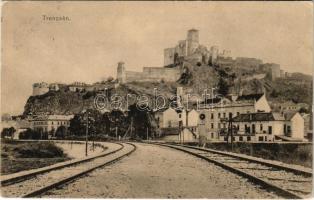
pixel 165 99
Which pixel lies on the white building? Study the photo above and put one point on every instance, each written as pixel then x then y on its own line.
pixel 266 127
pixel 256 127
pixel 217 110
pixel 169 117
pixel 294 126
pixel 50 123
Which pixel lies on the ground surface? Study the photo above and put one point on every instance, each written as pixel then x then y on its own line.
pixel 77 150
pixel 12 161
pixel 17 156
pixel 160 172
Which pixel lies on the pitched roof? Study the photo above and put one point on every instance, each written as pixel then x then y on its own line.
pixel 289 115
pixel 211 101
pixel 250 97
pixel 53 117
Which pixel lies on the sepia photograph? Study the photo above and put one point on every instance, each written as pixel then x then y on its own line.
pixel 157 99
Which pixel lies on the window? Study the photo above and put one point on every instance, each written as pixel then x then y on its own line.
pixel 212 135
pixel 253 129
pixel 219 115
pixel 233 138
pixel 261 127
pixel 212 115
pixel 224 125
pixel 265 138
pixel 260 138
pixel 289 129
pixel 169 123
pixel 270 129
pixel 248 138
pixel 230 115
pixel 238 113
pixel 285 128
pixel 225 138
pixel 179 115
pixel 241 138
pixel 219 125
pixel 224 115
pixel 212 125
pixel 52 123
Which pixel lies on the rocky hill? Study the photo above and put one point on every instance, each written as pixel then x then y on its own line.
pixel 195 77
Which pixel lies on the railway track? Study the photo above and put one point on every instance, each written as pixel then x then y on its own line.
pixel 285 182
pixel 39 183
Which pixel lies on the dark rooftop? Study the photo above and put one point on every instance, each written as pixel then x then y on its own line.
pixel 250 97
pixel 246 117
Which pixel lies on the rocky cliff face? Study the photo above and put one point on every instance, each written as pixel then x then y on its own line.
pixel 196 78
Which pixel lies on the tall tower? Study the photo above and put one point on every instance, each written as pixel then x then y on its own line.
pixel 192 41
pixel 214 50
pixel 121 76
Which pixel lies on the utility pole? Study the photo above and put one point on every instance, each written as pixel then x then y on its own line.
pixel 131 134
pixel 86 136
pixel 93 141
pixel 230 130
pixel 116 132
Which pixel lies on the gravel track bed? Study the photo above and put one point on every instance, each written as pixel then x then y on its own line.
pixel 160 172
pixel 42 180
pixel 299 184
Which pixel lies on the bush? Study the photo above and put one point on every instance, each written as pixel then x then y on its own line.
pixel 39 150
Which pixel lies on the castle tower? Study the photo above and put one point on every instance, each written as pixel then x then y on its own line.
pixel 121 76
pixel 214 50
pixel 40 88
pixel 192 41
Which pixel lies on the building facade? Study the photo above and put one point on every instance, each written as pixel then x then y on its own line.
pixel 216 112
pixel 50 123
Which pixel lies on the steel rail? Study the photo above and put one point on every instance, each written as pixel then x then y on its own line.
pixel 286 168
pixel 78 175
pixel 17 179
pixel 266 184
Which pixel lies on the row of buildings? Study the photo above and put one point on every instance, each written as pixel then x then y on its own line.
pixel 250 116
pixel 252 120
pixel 48 124
pixel 43 87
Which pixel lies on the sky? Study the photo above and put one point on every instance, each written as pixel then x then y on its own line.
pixel 100 34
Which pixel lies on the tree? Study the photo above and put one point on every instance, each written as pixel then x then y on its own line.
pixel 118 119
pixel 142 121
pixel 223 87
pixel 303 110
pixel 61 132
pixel 26 134
pixel 8 132
pixel 77 125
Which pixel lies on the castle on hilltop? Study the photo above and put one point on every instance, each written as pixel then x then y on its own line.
pixel 191 49
pixel 186 50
